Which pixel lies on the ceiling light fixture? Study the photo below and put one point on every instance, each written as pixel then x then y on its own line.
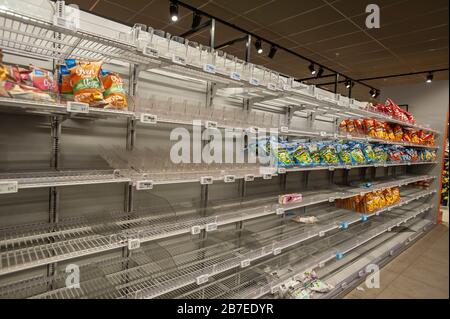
pixel 173 11
pixel 430 77
pixel 319 74
pixel 374 93
pixel 272 52
pixel 312 69
pixel 348 83
pixel 258 46
pixel 196 20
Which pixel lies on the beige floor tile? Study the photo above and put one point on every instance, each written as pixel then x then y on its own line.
pixel 392 293
pixel 417 289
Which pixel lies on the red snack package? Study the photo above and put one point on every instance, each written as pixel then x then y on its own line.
pixel 370 127
pixel 426 138
pixel 359 126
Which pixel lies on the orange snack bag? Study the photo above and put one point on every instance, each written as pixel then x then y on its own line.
pixel 389 132
pixel 84 77
pixel 114 93
pixel 398 133
pixel 359 126
pixel 379 129
pixel 370 127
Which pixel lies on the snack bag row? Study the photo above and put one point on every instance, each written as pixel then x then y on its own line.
pixel 87 82
pixel 370 202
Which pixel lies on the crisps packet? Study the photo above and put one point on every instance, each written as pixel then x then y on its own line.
pixel 87 87
pixel 300 154
pixel 114 93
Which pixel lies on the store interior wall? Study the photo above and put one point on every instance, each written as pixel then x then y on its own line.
pixel 429 103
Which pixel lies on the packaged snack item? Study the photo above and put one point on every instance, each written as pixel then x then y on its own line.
pixel 289 198
pixel 344 152
pixel 281 154
pixel 370 127
pixel 314 153
pixel 300 153
pixel 389 132
pixel 114 93
pixel 350 127
pixel 426 138
pixel 343 126
pixel 396 194
pixel 305 219
pixel 398 133
pixel 4 75
pixel 380 131
pixel 394 153
pixel 87 87
pixel 357 154
pixel 328 153
pixel 380 153
pixel 412 154
pixel 389 196
pixel 369 203
pixel 380 198
pixel 20 75
pixel 42 80
pixel 369 153
pixel 359 126
pixel 64 82
pixel 319 286
pixel 407 135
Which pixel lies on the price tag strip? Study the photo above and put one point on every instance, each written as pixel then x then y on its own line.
pixel 267 176
pixel 206 180
pixel 209 68
pixel 144 185
pixel 179 60
pixel 211 227
pixel 9 187
pixel 254 81
pixel 150 51
pixel 149 118
pixel 249 178
pixel 77 107
pixel 235 76
pixel 195 230
pixel 211 125
pixel 229 178
pixel 245 263
pixel 202 279
pixel 134 244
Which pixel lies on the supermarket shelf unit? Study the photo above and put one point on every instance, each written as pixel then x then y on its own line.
pixel 207 266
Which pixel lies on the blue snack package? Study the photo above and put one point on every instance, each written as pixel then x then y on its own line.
pixel 328 153
pixel 314 153
pixel 357 154
pixel 344 152
pixel 369 153
pixel 300 154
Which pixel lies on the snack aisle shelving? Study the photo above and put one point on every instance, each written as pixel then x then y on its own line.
pixel 171 249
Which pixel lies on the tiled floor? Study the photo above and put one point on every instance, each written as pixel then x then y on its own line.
pixel 422 271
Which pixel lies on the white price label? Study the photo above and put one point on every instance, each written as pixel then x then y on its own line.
pixel 64 22
pixel 211 124
pixel 229 178
pixel 211 227
pixel 251 130
pixel 8 187
pixel 277 251
pixel 267 176
pixel 286 87
pixel 321 264
pixel 144 185
pixel 323 133
pixel 331 168
pixel 235 76
pixel 274 289
pixel 281 170
pixel 149 118
pixel 210 68
pixel 245 263
pixel 279 211
pixel 202 279
pixel 179 60
pixel 77 107
pixel 249 178
pixel 321 233
pixel 134 244
pixel 272 86
pixel 150 51
pixel 331 199
pixel 253 81
pixel 195 230
pixel 284 129
pixel 206 180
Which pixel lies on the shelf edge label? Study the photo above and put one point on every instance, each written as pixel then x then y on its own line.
pixel 9 187
pixel 77 107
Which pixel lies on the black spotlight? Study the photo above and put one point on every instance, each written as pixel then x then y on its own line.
pixel 272 52
pixel 430 77
pixel 173 11
pixel 196 20
pixel 348 83
pixel 320 72
pixel 312 69
pixel 258 46
pixel 374 93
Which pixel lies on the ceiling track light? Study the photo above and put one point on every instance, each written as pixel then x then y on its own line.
pixel 173 11
pixel 196 19
pixel 320 72
pixel 348 83
pixel 374 93
pixel 312 69
pixel 273 51
pixel 258 46
pixel 430 77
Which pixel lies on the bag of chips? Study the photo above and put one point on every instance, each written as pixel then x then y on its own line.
pixel 357 154
pixel 389 132
pixel 43 80
pixel 344 153
pixel 300 153
pixel 359 126
pixel 87 87
pixel 380 153
pixel 369 153
pixel 64 82
pixel 370 127
pixel 328 153
pixel 114 93
pixel 314 153
pixel 398 133
pixel 380 131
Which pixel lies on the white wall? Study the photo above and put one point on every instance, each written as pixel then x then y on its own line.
pixel 429 103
